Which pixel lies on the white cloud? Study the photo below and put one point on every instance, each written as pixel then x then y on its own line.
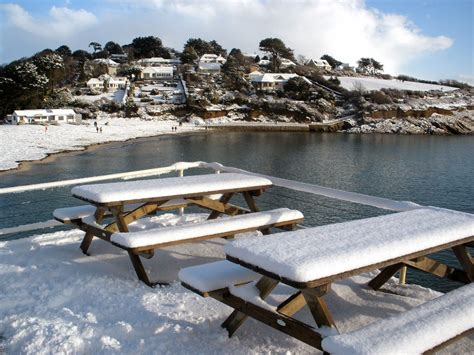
pixel 345 29
pixel 62 22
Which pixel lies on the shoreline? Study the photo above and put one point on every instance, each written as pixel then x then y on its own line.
pixel 25 165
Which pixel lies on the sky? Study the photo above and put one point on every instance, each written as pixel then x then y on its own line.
pixel 428 39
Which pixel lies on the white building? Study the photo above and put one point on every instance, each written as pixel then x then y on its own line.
pixel 164 72
pixel 272 81
pixel 284 63
pixel 158 61
pixel 209 67
pixel 95 84
pixel 117 83
pixel 212 58
pixel 109 63
pixel 44 116
pixel 319 63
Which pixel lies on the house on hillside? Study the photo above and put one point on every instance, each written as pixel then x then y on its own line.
pixel 117 83
pixel 286 63
pixel 209 67
pixel 345 67
pixel 272 81
pixel 158 62
pixel 44 116
pixel 163 72
pixel 95 84
pixel 212 58
pixel 109 63
pixel 319 63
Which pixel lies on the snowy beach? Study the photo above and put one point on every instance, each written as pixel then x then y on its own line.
pixel 54 299
pixel 35 142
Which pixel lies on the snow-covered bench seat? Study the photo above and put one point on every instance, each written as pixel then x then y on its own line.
pixel 145 242
pixel 70 215
pixel 218 275
pixel 310 260
pixel 215 228
pixel 419 330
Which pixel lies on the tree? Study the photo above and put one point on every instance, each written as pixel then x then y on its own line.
pixel 203 47
pixel 96 46
pixel 217 48
pixel 277 49
pixel 113 48
pixel 257 58
pixel 369 65
pixel 63 51
pixel 189 55
pixel 81 55
pixel 334 63
pixel 147 47
pixel 50 65
pixel 298 88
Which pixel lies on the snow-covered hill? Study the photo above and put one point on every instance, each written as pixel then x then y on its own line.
pixel 350 83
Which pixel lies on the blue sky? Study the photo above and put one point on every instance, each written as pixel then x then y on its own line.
pixel 430 39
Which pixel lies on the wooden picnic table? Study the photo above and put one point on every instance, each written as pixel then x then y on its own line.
pixel 125 202
pixel 310 260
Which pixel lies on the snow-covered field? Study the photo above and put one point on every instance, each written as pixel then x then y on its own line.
pixel 350 83
pixel 33 142
pixel 54 299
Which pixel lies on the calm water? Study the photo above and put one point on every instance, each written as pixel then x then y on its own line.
pixel 428 170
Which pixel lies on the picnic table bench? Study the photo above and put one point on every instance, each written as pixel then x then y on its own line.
pixel 310 260
pixel 125 202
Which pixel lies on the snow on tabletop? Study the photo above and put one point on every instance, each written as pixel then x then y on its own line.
pixel 215 226
pixel 216 275
pixel 318 252
pixel 250 293
pixel 167 187
pixel 412 332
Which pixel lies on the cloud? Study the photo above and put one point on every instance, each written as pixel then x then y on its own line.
pixel 62 22
pixel 345 29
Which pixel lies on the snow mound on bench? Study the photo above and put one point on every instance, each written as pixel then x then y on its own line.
pixel 207 228
pixel 168 187
pixel 413 332
pixel 216 275
pixel 314 253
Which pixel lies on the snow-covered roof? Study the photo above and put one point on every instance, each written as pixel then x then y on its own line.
pixel 46 112
pixel 119 80
pixel 325 251
pixel 109 62
pixel 264 62
pixel 273 77
pixel 164 69
pixel 94 81
pixel 212 58
pixel 286 62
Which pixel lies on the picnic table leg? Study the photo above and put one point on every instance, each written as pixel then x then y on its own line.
pixel 87 240
pixel 292 305
pixel 224 199
pixel 318 306
pixel 265 285
pixel 140 269
pixel 251 202
pixel 384 276
pixel 465 259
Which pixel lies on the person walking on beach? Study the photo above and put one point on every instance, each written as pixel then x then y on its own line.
pixel 100 129
pixel 45 129
pixel 97 129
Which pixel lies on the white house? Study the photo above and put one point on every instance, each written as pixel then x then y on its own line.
pixel 319 63
pixel 95 84
pixel 117 83
pixel 272 81
pixel 164 72
pixel 158 61
pixel 212 58
pixel 111 65
pixel 346 67
pixel 44 116
pixel 286 63
pixel 255 74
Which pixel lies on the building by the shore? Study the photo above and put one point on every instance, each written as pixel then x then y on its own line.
pixel 44 116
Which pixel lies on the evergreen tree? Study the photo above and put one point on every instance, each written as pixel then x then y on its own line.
pixel 277 49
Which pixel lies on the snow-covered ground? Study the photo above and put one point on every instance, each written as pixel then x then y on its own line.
pixel 350 83
pixel 33 142
pixel 54 299
pixel 116 96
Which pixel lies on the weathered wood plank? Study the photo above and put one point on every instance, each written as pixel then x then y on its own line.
pixel 319 309
pixel 86 242
pixel 384 276
pixel 439 269
pixel 465 259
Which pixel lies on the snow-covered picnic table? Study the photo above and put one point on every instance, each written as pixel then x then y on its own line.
pixel 310 260
pixel 126 202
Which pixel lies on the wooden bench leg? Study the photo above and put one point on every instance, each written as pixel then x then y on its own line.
pixel 250 202
pixel 384 276
pixel 86 242
pixel 318 307
pixel 292 305
pixel 141 272
pixel 465 259
pixel 225 198
pixel 439 269
pixel 265 285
